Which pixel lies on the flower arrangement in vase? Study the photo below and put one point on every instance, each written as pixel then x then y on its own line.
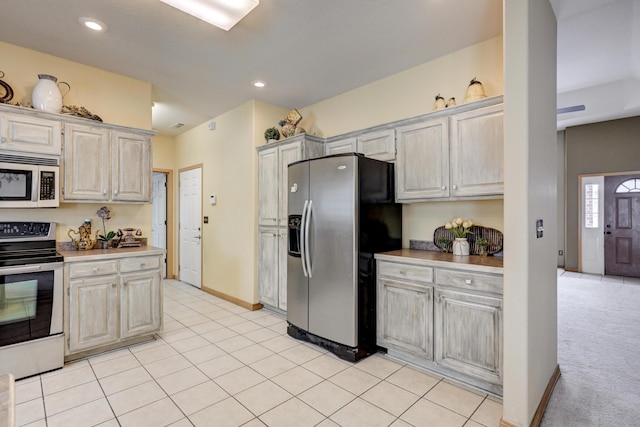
pixel 460 229
pixel 105 238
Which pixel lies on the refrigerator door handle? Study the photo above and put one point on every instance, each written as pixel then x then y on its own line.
pixel 302 247
pixel 306 238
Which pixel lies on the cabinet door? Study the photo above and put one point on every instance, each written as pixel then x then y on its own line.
pixel 268 187
pixel 477 152
pixel 287 154
pixel 422 164
pixel 140 303
pixel 379 145
pixel 87 174
pixel 282 267
pixel 268 266
pixel 93 312
pixel 469 334
pixel 349 145
pixel 131 167
pixel 405 318
pixel 30 134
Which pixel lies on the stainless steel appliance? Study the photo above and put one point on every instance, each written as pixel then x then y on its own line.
pixel 29 182
pixel 31 334
pixel 341 211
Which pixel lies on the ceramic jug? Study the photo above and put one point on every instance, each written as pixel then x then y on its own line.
pixel 46 94
pixel 84 240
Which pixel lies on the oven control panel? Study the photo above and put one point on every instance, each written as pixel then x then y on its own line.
pixel 24 229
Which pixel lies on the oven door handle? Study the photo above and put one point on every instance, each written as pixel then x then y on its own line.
pixel 5 271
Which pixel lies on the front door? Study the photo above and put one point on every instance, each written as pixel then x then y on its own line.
pixel 190 226
pixel 622 225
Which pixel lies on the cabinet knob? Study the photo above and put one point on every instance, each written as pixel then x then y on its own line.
pixel 3 139
pixel 455 187
pixel 444 187
pixel 104 192
pixel 467 281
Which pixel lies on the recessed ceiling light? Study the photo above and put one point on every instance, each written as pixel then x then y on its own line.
pixel 221 13
pixel 258 83
pixel 93 24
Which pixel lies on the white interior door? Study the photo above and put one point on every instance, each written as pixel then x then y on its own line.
pixel 591 224
pixel 190 227
pixel 159 215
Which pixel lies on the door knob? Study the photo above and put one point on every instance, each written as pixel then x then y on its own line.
pixel 198 237
pixel 607 232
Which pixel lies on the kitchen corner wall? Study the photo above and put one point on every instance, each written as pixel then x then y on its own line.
pixel 412 93
pixel 115 98
pixel 229 171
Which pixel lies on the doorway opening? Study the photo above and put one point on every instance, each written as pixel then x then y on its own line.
pixel 162 218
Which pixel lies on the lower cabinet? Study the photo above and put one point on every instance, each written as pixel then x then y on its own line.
pixel 272 265
pixel 111 302
pixel 446 318
pixel 405 313
pixel 469 331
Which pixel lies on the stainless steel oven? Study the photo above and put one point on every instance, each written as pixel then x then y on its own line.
pixel 31 305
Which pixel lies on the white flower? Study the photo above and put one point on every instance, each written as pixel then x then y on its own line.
pixel 458 221
pixel 448 226
pixel 467 224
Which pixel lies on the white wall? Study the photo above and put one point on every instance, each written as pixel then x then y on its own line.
pixel 530 279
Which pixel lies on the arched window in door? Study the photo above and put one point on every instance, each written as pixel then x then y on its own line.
pixel 629 186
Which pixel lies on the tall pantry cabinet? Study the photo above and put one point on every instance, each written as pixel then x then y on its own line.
pixel 273 162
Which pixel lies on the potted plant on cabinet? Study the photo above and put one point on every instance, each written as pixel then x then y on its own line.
pixel 271 134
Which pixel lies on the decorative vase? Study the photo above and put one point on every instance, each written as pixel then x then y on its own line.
pixel 460 246
pixel 46 94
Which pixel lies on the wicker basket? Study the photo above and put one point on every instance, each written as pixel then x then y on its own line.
pixel 441 235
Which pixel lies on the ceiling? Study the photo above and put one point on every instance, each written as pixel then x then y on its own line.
pixel 308 51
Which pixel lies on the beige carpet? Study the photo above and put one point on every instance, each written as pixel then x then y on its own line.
pixel 598 352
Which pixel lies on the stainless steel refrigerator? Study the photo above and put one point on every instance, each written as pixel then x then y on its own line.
pixel 341 212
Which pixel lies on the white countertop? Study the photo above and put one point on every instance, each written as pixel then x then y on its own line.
pixel 98 254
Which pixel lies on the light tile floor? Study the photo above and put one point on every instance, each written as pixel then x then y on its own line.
pixel 217 364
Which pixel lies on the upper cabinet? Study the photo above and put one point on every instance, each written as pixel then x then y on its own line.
pixel 456 154
pixel 376 144
pixel 26 133
pixel 102 164
pixel 273 162
pixel 477 152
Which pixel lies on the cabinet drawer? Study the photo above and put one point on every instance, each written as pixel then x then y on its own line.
pixel 470 280
pixel 412 273
pixel 88 269
pixel 139 263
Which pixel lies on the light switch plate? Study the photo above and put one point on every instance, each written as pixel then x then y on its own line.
pixel 539 228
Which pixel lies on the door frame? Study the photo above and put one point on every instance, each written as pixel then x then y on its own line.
pixel 188 168
pixel 170 222
pixel 580 211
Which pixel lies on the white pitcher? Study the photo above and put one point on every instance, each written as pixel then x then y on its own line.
pixel 46 94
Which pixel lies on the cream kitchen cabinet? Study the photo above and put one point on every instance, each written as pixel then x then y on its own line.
pixel 112 300
pixel 405 309
pixel 452 154
pixel 477 152
pixel 469 331
pixel 105 164
pixel 442 314
pixel 28 133
pixel 422 162
pixel 377 144
pixel 273 192
pixel 346 145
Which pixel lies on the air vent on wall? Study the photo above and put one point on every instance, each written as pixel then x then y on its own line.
pixel 176 125
pixel 570 109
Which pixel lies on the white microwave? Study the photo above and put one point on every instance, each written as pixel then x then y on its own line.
pixel 29 182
